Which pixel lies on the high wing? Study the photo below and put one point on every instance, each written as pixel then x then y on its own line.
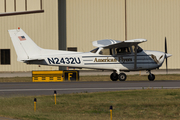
pixel 109 43
pixel 105 42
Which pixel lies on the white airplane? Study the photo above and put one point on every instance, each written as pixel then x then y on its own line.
pixel 110 54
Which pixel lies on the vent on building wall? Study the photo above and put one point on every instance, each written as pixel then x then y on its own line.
pixel 72 49
pixel 5 56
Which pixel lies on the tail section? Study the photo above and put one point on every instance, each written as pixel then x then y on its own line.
pixel 25 48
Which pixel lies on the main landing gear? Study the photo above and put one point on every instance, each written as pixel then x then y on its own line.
pixel 122 76
pixel 151 77
pixel 114 76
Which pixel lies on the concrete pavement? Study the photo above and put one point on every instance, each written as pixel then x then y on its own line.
pixel 91 72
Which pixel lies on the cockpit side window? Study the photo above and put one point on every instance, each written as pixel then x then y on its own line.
pixel 123 50
pixel 94 50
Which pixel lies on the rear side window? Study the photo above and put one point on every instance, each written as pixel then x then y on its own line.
pixel 94 50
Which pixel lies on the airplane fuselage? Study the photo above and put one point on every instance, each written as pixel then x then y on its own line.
pixel 146 60
pixel 109 55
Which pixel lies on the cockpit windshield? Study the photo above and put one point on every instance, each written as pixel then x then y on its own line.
pixel 139 49
pixel 94 50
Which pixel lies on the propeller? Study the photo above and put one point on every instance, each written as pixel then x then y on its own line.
pixel 166 55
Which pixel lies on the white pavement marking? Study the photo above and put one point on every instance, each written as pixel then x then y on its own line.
pixel 68 89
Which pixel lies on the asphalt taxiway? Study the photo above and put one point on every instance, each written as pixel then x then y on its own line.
pixel 28 89
pixel 14 89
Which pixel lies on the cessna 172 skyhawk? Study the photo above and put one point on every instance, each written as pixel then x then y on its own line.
pixel 109 55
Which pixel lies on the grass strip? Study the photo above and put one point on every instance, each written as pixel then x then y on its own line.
pixel 149 104
pixel 101 78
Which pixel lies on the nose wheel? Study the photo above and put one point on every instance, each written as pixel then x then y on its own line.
pixel 151 77
pixel 114 76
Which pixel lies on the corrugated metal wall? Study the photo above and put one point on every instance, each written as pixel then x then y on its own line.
pixel 155 20
pixel 41 27
pixel 20 5
pixel 90 20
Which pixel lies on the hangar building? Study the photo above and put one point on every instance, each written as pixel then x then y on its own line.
pixel 74 24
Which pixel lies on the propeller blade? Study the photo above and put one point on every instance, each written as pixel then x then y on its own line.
pixel 165 46
pixel 165 55
pixel 166 66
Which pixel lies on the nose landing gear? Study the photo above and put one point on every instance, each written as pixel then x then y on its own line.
pixel 151 77
pixel 114 76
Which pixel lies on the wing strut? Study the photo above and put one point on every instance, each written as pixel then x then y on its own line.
pixel 135 57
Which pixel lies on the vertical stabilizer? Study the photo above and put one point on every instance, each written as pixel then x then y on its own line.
pixel 24 46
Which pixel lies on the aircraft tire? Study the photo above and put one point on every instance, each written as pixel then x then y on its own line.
pixel 114 77
pixel 122 76
pixel 151 77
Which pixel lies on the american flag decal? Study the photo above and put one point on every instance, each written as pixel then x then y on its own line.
pixel 21 38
